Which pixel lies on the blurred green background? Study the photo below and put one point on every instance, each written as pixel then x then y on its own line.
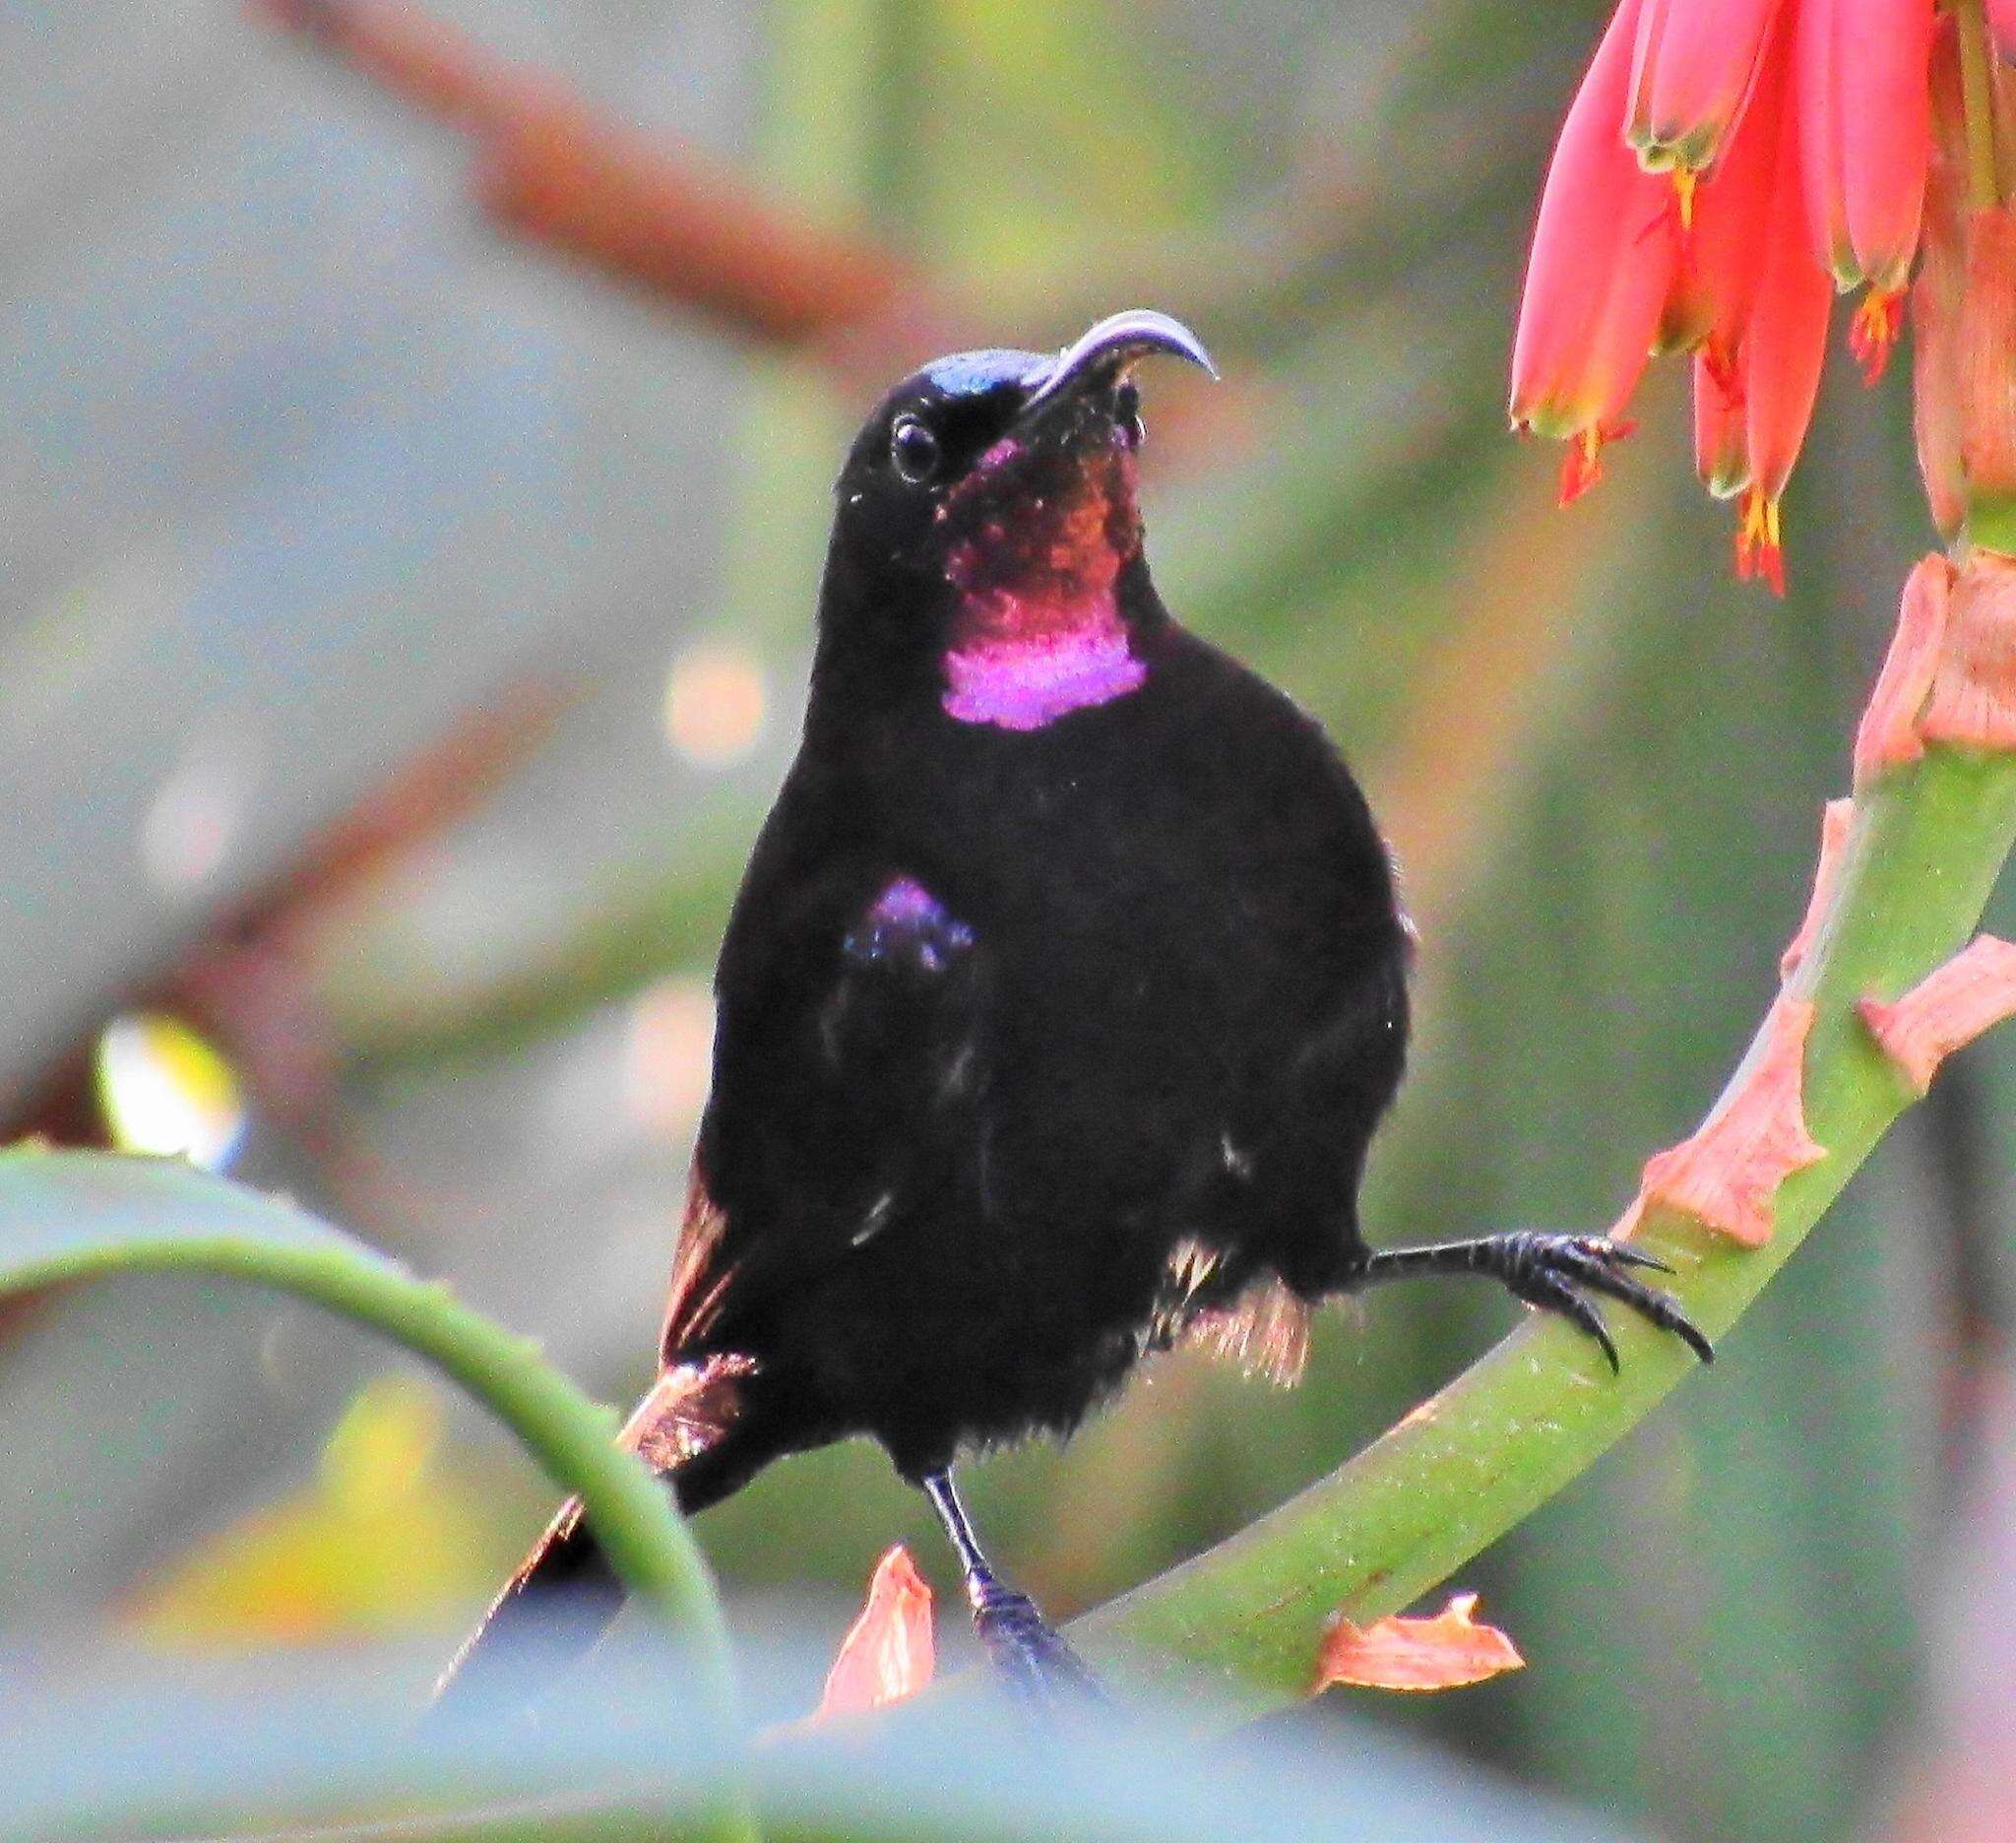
pixel 306 467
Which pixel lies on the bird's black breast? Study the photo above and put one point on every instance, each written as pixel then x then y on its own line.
pixel 1181 889
pixel 1166 910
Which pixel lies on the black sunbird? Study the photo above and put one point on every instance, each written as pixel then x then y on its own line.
pixel 1064 991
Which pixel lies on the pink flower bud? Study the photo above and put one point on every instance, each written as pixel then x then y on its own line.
pixel 1722 450
pixel 1604 252
pixel 1935 297
pixel 1783 352
pixel 1864 105
pixel 1722 247
pixel 1692 68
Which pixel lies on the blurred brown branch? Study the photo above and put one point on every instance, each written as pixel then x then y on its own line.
pixel 658 215
pixel 652 212
pixel 239 982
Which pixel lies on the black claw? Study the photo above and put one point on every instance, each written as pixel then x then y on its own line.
pixel 1692 1335
pixel 1564 1298
pixel 1632 1258
pixel 1044 1671
pixel 1556 1273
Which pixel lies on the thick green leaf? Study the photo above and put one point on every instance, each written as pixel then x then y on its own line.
pixel 74 1216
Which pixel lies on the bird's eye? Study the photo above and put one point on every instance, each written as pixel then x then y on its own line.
pixel 1127 414
pixel 913 450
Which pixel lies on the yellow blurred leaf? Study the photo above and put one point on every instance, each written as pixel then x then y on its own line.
pixel 382 1542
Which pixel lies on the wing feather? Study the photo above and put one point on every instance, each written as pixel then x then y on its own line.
pixel 856 1068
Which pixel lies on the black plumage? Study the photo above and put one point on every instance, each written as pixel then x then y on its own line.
pixel 1064 991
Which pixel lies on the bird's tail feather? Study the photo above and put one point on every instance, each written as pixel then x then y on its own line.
pixel 693 1431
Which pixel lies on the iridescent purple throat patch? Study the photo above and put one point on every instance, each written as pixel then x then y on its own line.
pixel 1026 682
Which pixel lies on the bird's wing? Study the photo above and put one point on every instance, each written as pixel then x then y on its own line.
pixel 1276 1212
pixel 850 1076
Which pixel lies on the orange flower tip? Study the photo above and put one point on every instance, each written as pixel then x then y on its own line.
pixel 1728 1175
pixel 1946 1010
pixel 1760 550
pixel 1888 735
pixel 1873 329
pixel 1582 464
pixel 1973 700
pixel 888 1653
pixel 1836 821
pixel 1446 1652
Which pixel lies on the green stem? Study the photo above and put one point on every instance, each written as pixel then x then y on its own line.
pixel 1976 103
pixel 1540 1408
pixel 145 1215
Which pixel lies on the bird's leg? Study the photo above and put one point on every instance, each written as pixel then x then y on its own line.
pixel 1022 1644
pixel 1555 1271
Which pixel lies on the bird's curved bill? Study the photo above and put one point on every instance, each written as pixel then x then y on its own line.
pixel 1114 344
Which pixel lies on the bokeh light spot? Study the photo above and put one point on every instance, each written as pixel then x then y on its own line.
pixel 163 1089
pixel 668 1056
pixel 191 821
pixel 716 700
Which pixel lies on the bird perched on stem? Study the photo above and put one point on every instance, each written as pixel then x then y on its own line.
pixel 1064 991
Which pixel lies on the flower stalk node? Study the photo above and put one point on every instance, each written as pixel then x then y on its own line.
pixel 1888 735
pixel 1836 821
pixel 1728 1175
pixel 1449 1651
pixel 1946 1010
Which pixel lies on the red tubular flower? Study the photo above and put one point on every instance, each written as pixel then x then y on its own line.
pixel 1935 297
pixel 1784 349
pixel 1722 250
pixel 1693 65
pixel 1722 446
pixel 1604 255
pixel 1864 103
pixel 1798 135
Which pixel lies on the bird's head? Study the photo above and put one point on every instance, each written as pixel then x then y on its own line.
pixel 987 515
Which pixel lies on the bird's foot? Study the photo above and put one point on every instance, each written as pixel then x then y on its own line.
pixel 1557 1273
pixel 1044 1671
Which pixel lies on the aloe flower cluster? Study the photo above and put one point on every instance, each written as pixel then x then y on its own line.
pixel 1726 168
